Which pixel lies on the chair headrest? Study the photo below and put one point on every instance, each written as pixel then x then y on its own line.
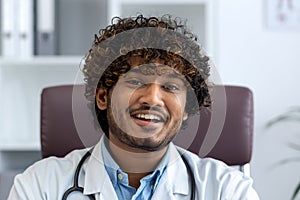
pixel 67 124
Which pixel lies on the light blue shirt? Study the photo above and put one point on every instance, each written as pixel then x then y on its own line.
pixel 120 180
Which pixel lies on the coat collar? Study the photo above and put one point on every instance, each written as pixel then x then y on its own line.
pixel 172 182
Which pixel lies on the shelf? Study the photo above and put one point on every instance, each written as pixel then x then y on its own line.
pixel 74 61
pixel 19 147
pixel 21 82
pixel 159 2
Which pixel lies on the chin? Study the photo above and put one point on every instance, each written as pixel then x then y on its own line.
pixel 149 144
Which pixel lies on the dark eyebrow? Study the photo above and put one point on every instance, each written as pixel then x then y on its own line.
pixel 173 75
pixel 177 76
pixel 135 70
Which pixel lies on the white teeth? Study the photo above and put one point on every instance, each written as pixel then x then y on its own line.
pixel 147 116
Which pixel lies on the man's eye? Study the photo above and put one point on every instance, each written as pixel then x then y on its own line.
pixel 170 87
pixel 135 82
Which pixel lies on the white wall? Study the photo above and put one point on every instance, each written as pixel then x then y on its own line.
pixel 267 61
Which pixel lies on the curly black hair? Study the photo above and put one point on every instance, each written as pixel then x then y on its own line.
pixel 151 38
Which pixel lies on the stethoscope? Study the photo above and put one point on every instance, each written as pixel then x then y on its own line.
pixel 77 188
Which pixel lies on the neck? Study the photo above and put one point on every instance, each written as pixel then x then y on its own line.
pixel 134 179
pixel 136 164
pixel 135 161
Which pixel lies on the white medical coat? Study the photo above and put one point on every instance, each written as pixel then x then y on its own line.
pixel 51 177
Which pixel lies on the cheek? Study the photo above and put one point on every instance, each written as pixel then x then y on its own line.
pixel 120 98
pixel 133 97
pixel 123 95
pixel 177 103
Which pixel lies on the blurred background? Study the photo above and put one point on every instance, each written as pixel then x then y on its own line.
pixel 253 43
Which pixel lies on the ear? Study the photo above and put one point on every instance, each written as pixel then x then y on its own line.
pixel 101 98
pixel 185 116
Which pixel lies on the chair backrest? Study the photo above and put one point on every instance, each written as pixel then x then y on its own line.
pixel 67 124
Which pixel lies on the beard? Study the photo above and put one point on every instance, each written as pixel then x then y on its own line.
pixel 143 143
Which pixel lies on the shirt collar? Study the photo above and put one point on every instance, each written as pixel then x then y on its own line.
pixel 111 166
pixel 96 177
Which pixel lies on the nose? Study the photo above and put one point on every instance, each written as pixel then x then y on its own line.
pixel 151 95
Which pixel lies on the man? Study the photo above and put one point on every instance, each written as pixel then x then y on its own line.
pixel 144 78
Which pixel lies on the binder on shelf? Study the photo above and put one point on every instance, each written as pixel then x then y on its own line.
pixel 9 31
pixel 25 28
pixel 45 39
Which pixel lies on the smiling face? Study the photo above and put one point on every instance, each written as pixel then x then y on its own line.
pixel 146 108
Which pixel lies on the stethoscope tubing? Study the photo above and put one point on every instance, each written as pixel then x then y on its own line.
pixel 76 187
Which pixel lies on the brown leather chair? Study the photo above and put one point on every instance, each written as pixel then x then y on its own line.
pixel 67 124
